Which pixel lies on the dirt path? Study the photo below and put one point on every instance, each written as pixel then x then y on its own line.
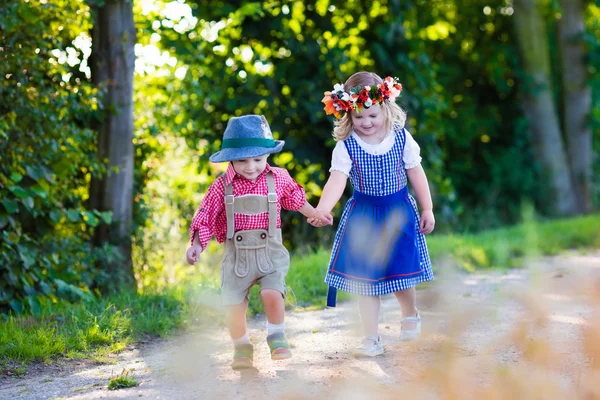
pixel 471 340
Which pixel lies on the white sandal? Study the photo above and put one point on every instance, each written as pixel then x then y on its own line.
pixel 370 347
pixel 412 334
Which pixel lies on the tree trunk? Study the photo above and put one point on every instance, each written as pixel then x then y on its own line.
pixel 112 63
pixel 577 98
pixel 539 107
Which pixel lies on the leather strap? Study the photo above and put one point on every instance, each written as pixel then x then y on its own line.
pixel 229 201
pixel 272 200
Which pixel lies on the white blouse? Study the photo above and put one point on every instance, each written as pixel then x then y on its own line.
pixel 340 160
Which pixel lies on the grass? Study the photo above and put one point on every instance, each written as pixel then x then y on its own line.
pixel 97 328
pixel 507 247
pixel 501 249
pixel 91 329
pixel 124 380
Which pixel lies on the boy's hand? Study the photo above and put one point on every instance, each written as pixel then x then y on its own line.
pixel 427 222
pixel 193 253
pixel 320 218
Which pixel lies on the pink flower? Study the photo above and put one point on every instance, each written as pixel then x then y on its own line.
pixel 394 87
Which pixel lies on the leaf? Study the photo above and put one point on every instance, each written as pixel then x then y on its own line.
pixel 106 216
pixel 28 259
pixel 35 305
pixel 55 216
pixel 13 237
pixel 28 283
pixel 90 219
pixel 34 172
pixel 39 191
pixel 48 174
pixel 16 305
pixel 15 177
pixel 19 191
pixel 28 201
pixel 11 206
pixel 47 289
pixel 73 215
pixel 43 185
pixel 66 288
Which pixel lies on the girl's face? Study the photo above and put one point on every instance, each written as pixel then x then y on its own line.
pixel 369 122
pixel 250 168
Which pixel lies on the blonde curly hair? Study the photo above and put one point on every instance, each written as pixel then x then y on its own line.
pixel 393 114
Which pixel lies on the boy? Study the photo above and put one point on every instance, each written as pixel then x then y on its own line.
pixel 242 209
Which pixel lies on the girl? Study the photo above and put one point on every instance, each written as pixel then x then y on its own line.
pixel 379 246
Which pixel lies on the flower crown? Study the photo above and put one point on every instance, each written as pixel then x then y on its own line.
pixel 338 102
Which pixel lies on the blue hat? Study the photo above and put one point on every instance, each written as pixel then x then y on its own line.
pixel 247 136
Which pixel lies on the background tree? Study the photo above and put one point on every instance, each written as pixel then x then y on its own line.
pixel 538 103
pixel 46 152
pixel 576 98
pixel 112 64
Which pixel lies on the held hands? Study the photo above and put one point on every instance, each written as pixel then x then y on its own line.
pixel 427 222
pixel 320 218
pixel 193 253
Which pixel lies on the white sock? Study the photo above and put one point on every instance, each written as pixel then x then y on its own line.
pixel 242 340
pixel 274 328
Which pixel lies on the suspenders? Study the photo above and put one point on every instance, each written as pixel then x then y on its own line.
pixel 252 204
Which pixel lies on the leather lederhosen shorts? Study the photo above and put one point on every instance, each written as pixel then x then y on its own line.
pixel 253 258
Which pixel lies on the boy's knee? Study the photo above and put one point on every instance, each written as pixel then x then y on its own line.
pixel 271 295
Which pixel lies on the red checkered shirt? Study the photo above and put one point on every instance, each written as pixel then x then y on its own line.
pixel 210 219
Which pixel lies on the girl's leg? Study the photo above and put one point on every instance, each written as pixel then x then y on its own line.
pixel 408 302
pixel 236 320
pixel 369 314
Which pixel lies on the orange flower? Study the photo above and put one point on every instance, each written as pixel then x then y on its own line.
pixel 329 107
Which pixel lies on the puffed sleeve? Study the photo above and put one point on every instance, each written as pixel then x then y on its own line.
pixel 412 152
pixel 340 159
pixel 208 213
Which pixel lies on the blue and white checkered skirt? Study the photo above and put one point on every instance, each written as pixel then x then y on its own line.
pixel 378 246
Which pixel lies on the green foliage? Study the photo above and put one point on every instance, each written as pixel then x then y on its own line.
pixel 124 380
pixel 92 328
pixel 46 154
pixel 459 68
pixel 508 247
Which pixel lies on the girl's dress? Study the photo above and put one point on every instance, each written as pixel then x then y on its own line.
pixel 378 247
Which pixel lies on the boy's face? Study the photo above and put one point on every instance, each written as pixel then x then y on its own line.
pixel 250 168
pixel 369 121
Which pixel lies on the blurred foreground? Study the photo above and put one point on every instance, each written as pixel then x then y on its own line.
pixel 527 333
